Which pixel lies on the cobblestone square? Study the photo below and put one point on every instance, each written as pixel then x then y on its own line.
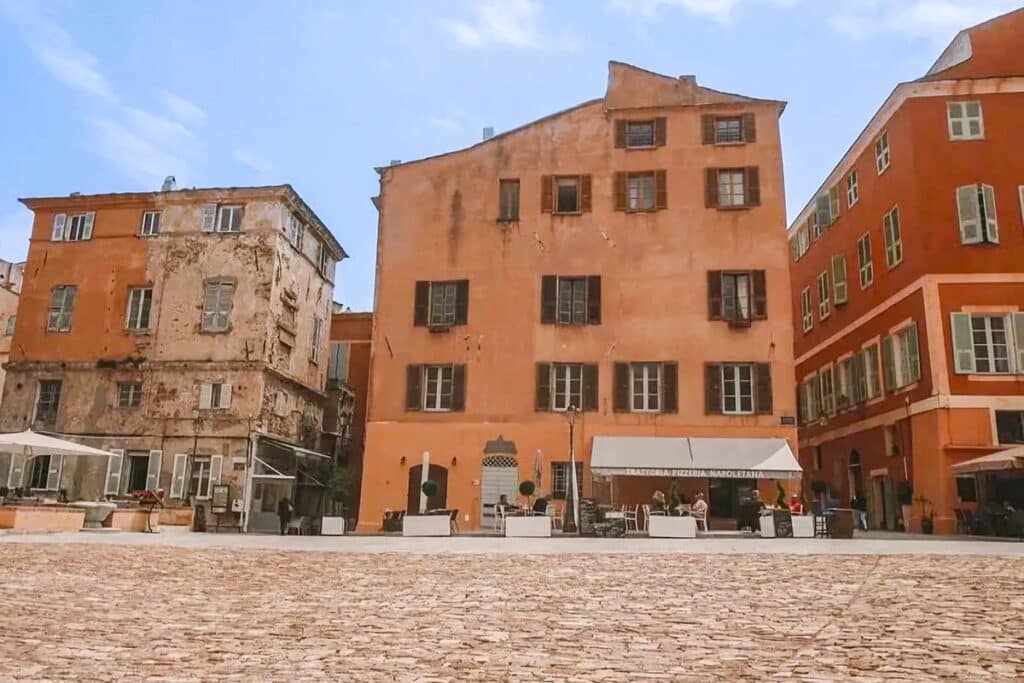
pixel 117 612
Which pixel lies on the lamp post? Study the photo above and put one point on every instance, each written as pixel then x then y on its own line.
pixel 571 521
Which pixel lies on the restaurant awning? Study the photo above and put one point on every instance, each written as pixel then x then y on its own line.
pixel 1010 459
pixel 662 456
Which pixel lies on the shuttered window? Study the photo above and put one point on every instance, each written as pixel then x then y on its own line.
pixel 865 265
pixel 640 134
pixel 214 395
pixel 976 209
pixel 965 120
pixel 646 387
pixel 882 159
pixel 852 189
pixel 62 306
pixel 870 364
pixel 561 386
pixel 988 344
pixel 893 238
pixel 640 191
pixel 806 314
pixel 217 297
pixel 560 478
pixel 828 405
pixel 438 387
pixel 737 388
pixel 833 205
pixel 737 296
pixel 728 129
pixel 440 305
pixel 645 383
pixel 508 199
pixel 732 188
pixel 840 290
pixel 435 388
pixel 140 302
pixel 824 294
pixel 294 229
pixel 901 359
pixel 316 339
pixel 571 300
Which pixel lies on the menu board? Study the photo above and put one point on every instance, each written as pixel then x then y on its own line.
pixel 783 522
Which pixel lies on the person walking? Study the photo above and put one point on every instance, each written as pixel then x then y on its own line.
pixel 284 514
pixel 860 511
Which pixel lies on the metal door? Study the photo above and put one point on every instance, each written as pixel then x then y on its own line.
pixel 500 476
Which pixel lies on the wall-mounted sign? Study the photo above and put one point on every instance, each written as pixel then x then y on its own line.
pixel 219 500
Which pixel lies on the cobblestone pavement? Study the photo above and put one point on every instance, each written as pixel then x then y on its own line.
pixel 110 612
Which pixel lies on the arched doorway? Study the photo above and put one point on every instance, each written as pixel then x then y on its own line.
pixel 436 473
pixel 500 476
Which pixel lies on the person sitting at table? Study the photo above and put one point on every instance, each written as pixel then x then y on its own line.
pixel 540 506
pixel 658 502
pixel 796 506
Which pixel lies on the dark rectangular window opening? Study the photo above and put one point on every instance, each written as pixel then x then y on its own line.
pixel 1010 426
pixel 640 133
pixel 567 197
pixel 728 129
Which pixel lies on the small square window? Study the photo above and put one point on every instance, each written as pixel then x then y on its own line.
pixel 965 121
pixel 640 133
pixel 229 219
pixel 150 223
pixel 728 129
pixel 129 394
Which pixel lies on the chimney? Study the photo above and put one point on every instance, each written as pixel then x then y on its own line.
pixel 395 162
pixel 170 184
pixel 488 132
pixel 75 194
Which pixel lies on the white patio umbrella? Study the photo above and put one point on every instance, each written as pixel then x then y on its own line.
pixel 32 443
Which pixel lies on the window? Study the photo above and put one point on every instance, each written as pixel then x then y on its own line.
pixel 214 396
pixel 984 343
pixel 803 241
pixel 967 489
pixel 805 309
pixel 138 471
pixel 901 361
pixel 825 380
pixel 567 386
pixel 640 133
pixel 129 394
pixel 199 484
pixel 437 389
pixel 991 344
pixel 80 227
pixel 817 457
pixel 725 130
pixel 852 191
pixel 893 238
pixel 140 301
pixel 965 122
pixel 508 199
pixel 62 305
pixel 48 400
pixel 843 379
pixel 882 153
pixel 641 191
pixel 324 262
pixel 38 472
pixel 567 195
pixel 867 266
pixel 824 291
pixel 1010 426
pixel 315 341
pixel 571 300
pixel 976 209
pixel 645 387
pixel 737 389
pixel 731 188
pixel 229 219
pixel 560 476
pixel 440 305
pixel 10 325
pixel 728 129
pixel 337 364
pixel 840 291
pixel 833 205
pixel 871 380
pixel 294 229
pixel 150 223
pixel 737 297
pixel 814 228
pixel 217 305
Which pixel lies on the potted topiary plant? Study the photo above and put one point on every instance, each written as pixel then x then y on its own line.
pixel 527 489
pixel 428 523
pixel 340 484
pixel 430 488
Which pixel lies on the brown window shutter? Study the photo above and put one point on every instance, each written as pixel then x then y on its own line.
pixel 620 191
pixel 714 295
pixel 707 125
pixel 749 130
pixel 660 190
pixel 620 399
pixel 458 388
pixel 589 388
pixel 548 299
pixel 413 387
pixel 594 300
pixel 760 287
pixel 712 389
pixel 752 183
pixel 422 306
pixel 711 188
pixel 543 387
pixel 660 131
pixel 547 196
pixel 461 302
pixel 669 388
pixel 620 133
pixel 764 389
pixel 585 193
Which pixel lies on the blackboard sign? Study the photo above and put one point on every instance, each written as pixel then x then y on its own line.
pixel 220 498
pixel 783 522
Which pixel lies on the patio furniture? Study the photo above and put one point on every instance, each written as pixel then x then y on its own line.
pixel 454 519
pixel 631 517
pixel 555 515
pixel 499 518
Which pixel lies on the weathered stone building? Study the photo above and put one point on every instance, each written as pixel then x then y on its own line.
pixel 10 288
pixel 187 330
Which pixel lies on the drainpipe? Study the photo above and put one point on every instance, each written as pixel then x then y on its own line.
pixel 250 460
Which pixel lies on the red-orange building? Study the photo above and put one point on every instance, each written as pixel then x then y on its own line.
pixel 348 379
pixel 908 292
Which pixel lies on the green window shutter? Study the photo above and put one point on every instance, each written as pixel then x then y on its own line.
pixel 839 287
pixel 963 346
pixel 989 204
pixel 888 364
pixel 913 355
pixel 823 211
pixel 1018 334
pixel 967 210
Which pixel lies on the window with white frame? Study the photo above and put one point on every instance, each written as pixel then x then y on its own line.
pixel 866 265
pixel 640 189
pixel 140 303
pixel 217 296
pixel 62 306
pixel 572 301
pixel 150 223
pixel 214 396
pixel 317 337
pixel 79 227
pixel 199 484
pixel 803 239
pixel 229 218
pixel 965 121
pixel 129 394
pixel 731 191
pixel 47 400
pixel 736 294
pixel 988 343
pixel 806 315
pixel 976 209
pixel 825 380
pixel 566 386
pixel 852 189
pixel 844 382
pixel 882 153
pixel 438 387
pixel 871 379
pixel 560 477
pixel 37 472
pixel 442 304
pixel 824 292
pixel 294 229
pixel 901 360
pixel 893 238
pixel 645 383
pixel 990 336
pixel 737 389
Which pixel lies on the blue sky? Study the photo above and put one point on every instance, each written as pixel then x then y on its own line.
pixel 113 96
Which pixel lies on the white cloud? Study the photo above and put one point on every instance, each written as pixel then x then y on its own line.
pixel 182 109
pixel 721 11
pixel 128 148
pixel 507 23
pixel 939 20
pixel 253 160
pixel 445 123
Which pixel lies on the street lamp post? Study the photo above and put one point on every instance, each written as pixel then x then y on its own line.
pixel 571 521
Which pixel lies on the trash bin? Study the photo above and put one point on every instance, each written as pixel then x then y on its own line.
pixel 840 523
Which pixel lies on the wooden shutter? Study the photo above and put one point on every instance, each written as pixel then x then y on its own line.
pixel 225 396
pixel 543 401
pixel 967 210
pixel 548 299
pixel 620 133
pixel 113 478
pixel 589 387
pixel 458 388
pixel 712 389
pixel 760 287
pixel 749 128
pixel 462 302
pixel 669 388
pixel 547 195
pixel 208 217
pixel 711 188
pixel 205 396
pixel 1018 333
pixel 913 354
pixel 90 220
pixel 621 200
pixel 714 295
pixel 593 299
pixel 833 204
pixel 707 126
pixel 153 470
pixel 585 193
pixel 216 467
pixel 413 387
pixel 53 473
pixel 752 186
pixel 660 131
pixel 888 364
pixel 660 190
pixel 16 474
pixel 421 307
pixel 60 221
pixel 991 224
pixel 763 382
pixel 620 392
pixel 178 475
pixel 839 287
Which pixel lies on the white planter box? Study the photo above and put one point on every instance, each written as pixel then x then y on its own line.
pixel 803 526
pixel 332 526
pixel 660 526
pixel 426 525
pixel 767 526
pixel 531 527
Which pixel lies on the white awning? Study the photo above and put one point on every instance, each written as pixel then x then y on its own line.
pixel 1010 459
pixel 34 443
pixel 659 456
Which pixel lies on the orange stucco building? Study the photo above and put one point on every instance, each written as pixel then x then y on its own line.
pixel 908 292
pixel 625 257
pixel 348 380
